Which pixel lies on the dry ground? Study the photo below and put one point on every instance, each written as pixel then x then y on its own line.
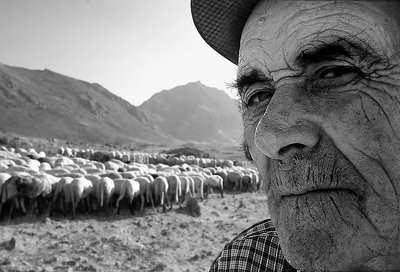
pixel 150 241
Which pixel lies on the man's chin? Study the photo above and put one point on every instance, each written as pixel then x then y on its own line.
pixel 321 230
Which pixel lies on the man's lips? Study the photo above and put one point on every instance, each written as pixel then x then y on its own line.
pixel 318 191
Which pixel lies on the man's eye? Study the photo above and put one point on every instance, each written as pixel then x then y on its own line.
pixel 258 96
pixel 337 72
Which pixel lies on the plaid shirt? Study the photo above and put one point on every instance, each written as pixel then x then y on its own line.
pixel 255 249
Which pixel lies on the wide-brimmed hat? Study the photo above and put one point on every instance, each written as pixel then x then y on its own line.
pixel 220 23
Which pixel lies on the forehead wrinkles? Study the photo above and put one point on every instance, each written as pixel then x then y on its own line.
pixel 285 27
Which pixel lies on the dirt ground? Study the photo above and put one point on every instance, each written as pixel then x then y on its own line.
pixel 147 241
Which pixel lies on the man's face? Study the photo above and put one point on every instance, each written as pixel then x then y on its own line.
pixel 320 87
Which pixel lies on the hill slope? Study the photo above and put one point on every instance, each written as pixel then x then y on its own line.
pixel 195 112
pixel 46 104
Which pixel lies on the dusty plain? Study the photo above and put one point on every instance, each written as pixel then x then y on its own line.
pixel 147 241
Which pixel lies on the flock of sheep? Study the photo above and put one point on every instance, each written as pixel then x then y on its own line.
pixel 88 180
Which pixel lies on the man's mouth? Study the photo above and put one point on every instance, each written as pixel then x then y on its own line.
pixel 319 191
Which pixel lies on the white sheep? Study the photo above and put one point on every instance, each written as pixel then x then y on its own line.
pixel 174 190
pixel 107 188
pixel 160 187
pixel 126 187
pixel 214 182
pixel 79 189
pixel 145 189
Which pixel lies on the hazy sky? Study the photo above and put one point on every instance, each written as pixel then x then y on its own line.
pixel 133 48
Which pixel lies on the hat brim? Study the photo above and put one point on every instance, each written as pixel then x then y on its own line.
pixel 220 23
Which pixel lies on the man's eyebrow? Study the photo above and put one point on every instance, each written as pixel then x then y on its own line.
pixel 329 51
pixel 249 77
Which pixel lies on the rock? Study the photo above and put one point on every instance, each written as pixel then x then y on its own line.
pixel 70 263
pixel 193 207
pixel 194 258
pixel 6 261
pixel 50 260
pixel 215 213
pixel 8 245
pixel 164 232
pixel 47 269
pixel 158 267
pixel 46 220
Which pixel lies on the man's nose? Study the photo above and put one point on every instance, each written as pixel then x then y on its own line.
pixel 286 128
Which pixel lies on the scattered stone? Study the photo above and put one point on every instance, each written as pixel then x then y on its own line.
pixel 70 263
pixel 193 207
pixel 50 260
pixel 8 245
pixel 183 225
pixel 194 258
pixel 215 213
pixel 164 232
pixel 46 220
pixel 158 267
pixel 88 267
pixel 47 269
pixel 5 262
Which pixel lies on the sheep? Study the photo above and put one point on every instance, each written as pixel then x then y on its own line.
pixel 112 175
pixel 233 180
pixel 128 187
pixel 61 161
pixel 96 181
pixel 174 190
pixel 216 182
pixel 198 185
pixel 246 182
pixel 110 165
pixel 79 189
pixel 57 171
pixel 3 178
pixel 160 185
pixel 107 188
pixel 44 166
pixel 41 190
pixel 187 185
pixel 14 190
pixel 224 175
pixel 58 189
pixel 94 171
pixel 9 193
pixel 20 168
pixel 71 175
pixel 256 181
pixel 128 175
pixel 79 171
pixel 145 188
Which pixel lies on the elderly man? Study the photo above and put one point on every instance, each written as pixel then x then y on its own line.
pixel 319 83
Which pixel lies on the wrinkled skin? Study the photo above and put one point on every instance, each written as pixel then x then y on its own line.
pixel 330 124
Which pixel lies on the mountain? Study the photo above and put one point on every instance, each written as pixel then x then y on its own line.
pixel 196 113
pixel 50 105
pixel 45 104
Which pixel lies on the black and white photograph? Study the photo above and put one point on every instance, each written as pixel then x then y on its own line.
pixel 199 135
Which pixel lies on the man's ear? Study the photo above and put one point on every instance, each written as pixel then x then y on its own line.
pixel 245 148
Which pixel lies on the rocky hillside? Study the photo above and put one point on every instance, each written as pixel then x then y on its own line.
pixel 42 103
pixel 195 112
pixel 50 105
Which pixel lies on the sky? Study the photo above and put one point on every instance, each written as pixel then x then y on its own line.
pixel 133 48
